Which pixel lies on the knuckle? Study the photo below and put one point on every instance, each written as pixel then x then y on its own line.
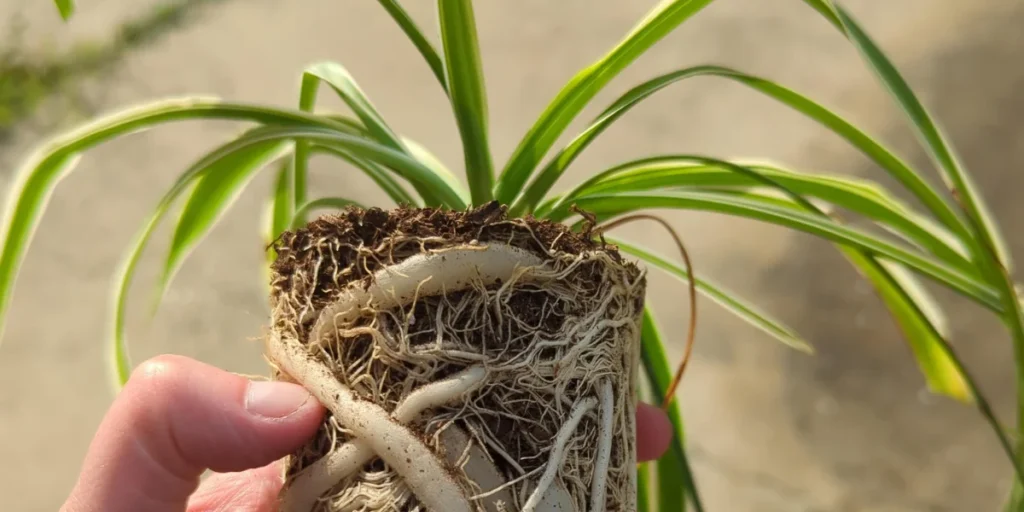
pixel 162 369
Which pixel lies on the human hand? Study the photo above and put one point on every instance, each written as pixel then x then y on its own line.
pixel 178 417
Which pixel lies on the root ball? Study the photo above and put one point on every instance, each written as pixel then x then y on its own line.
pixel 529 366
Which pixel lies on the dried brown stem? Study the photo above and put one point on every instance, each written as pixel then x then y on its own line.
pixel 691 333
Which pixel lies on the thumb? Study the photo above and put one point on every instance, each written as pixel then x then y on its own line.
pixel 175 419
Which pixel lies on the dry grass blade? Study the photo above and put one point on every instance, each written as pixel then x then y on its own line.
pixel 691 333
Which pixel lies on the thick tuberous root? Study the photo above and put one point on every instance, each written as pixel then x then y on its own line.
pixel 468 362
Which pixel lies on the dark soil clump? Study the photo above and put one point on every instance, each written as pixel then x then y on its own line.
pixel 375 238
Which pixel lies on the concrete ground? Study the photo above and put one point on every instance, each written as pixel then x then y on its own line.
pixel 850 429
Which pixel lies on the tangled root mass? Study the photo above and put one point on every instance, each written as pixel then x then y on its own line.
pixel 550 348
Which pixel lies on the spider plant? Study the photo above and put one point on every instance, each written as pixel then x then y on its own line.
pixel 946 236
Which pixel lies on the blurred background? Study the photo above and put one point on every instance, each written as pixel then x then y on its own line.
pixel 851 428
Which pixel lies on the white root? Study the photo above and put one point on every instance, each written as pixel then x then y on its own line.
pixel 438 393
pixel 471 457
pixel 422 471
pixel 555 460
pixel 604 448
pixel 557 499
pixel 429 274
pixel 318 478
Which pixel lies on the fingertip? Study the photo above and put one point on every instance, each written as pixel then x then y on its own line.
pixel 653 432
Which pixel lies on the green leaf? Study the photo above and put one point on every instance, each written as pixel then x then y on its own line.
pixel 365 151
pixel 919 327
pixel 66 8
pixel 219 161
pixel 918 322
pixel 418 152
pixel 990 248
pixel 990 243
pixel 742 309
pixel 278 214
pixel 955 175
pixel 758 208
pixel 690 171
pixel 376 128
pixel 348 90
pixel 238 172
pixel 415 35
pixel 425 157
pixel 25 204
pixel 674 476
pixel 943 369
pixel 920 297
pixel 643 488
pixel 36 179
pixel 144 117
pixel 825 9
pixel 465 79
pixel 888 161
pixel 325 203
pixel 213 195
pixel 281 209
pixel 380 176
pixel 925 328
pixel 645 499
pixel 664 18
pixel 922 322
pixel 253 145
pixel 121 362
pixel 300 158
pixel 404 165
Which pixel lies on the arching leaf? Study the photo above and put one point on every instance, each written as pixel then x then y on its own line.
pixel 885 158
pixel 213 195
pixel 677 172
pixel 665 17
pixel 735 305
pixel 763 209
pixel 417 38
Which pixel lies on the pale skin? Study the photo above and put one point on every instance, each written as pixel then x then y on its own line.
pixel 177 418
